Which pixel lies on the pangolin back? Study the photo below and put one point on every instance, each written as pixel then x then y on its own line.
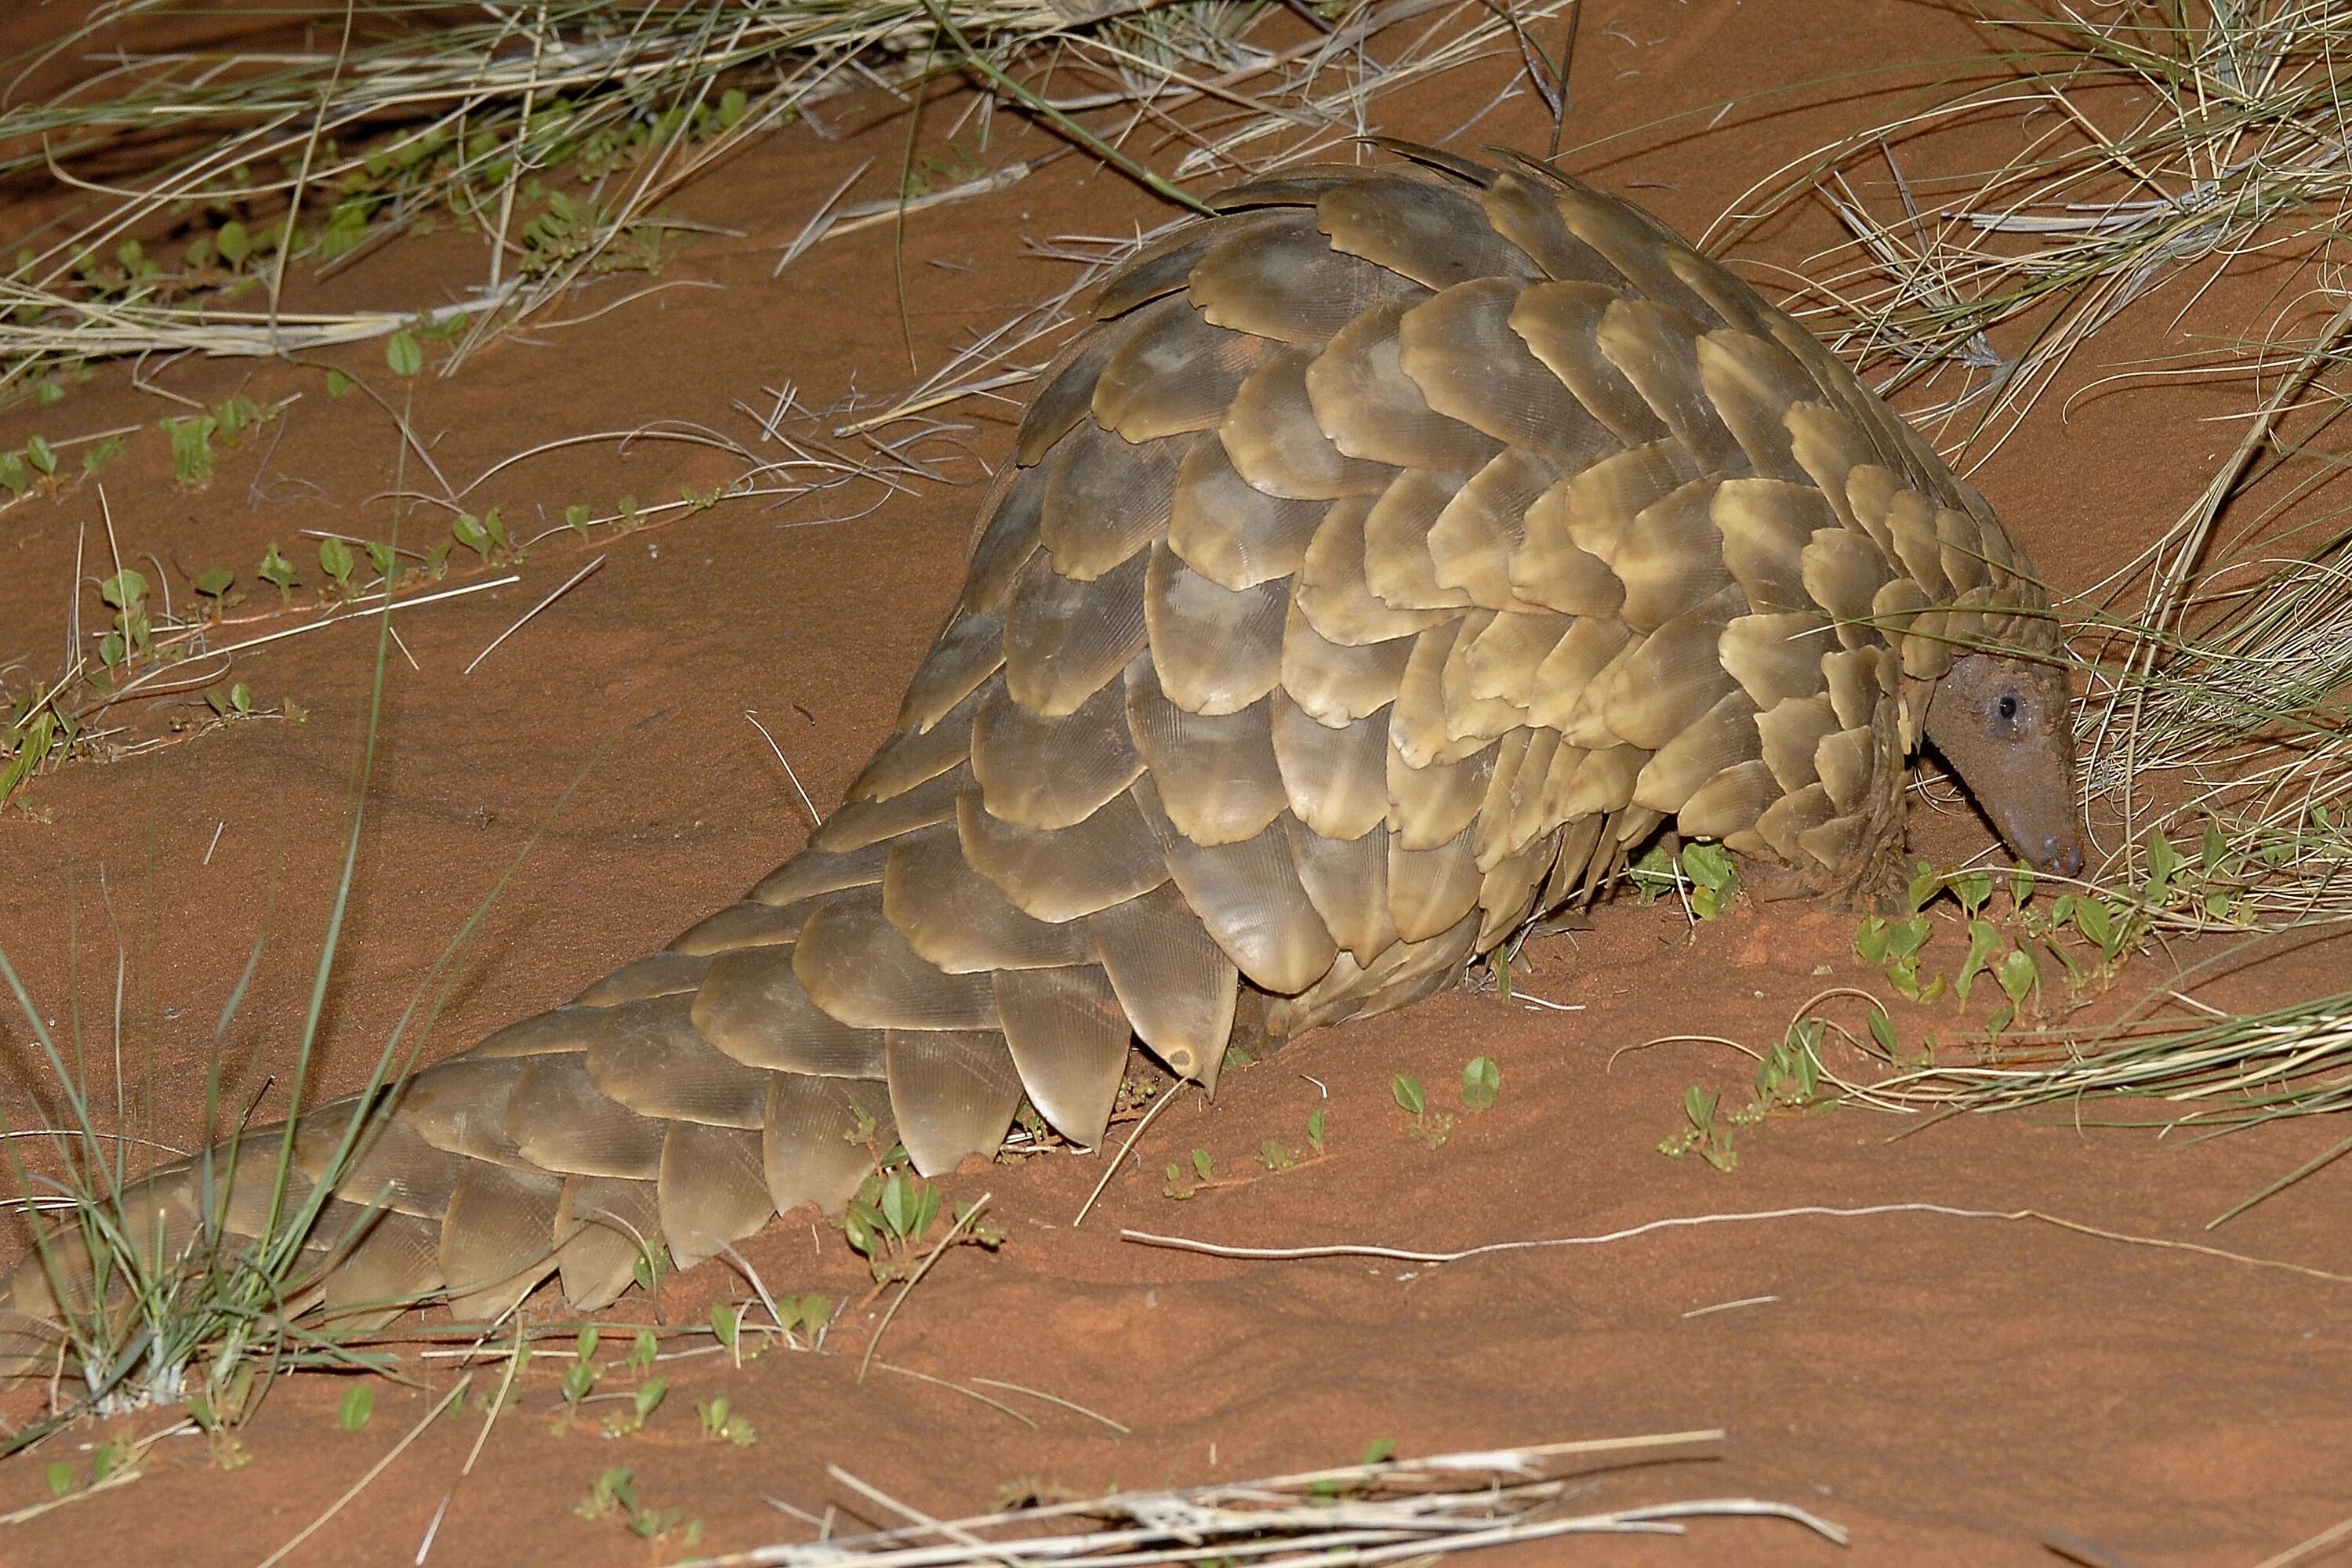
pixel 1394 551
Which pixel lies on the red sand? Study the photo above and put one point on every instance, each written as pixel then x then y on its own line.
pixel 1951 1390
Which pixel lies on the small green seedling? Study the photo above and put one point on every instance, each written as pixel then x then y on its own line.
pixel 642 1352
pixel 1428 1128
pixel 1895 946
pixel 894 1210
pixel 483 535
pixel 579 1378
pixel 1703 1131
pixel 721 1425
pixel 726 1327
pixel 642 1405
pixel 125 593
pixel 1180 1186
pixel 652 1263
pixel 614 1491
pixel 1317 1120
pixel 338 383
pixel 404 352
pixel 1704 873
pixel 1481 1080
pixel 358 1407
pixel 808 1315
pixel 193 460
pixel 278 571
pixel 1274 1157
pixel 335 558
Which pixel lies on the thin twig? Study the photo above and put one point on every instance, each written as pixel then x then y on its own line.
pixel 1686 1222
pixel 569 584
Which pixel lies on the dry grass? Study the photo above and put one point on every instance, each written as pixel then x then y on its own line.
pixel 557 132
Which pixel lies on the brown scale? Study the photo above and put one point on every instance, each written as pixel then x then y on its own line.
pixel 1391 558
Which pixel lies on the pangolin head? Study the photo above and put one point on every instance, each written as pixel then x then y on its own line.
pixel 2003 725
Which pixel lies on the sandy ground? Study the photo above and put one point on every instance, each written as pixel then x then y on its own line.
pixel 1951 1390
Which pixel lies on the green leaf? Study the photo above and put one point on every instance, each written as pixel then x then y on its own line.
pixel 1408 1094
pixel 732 104
pixel 1314 1125
pixel 1925 885
pixel 897 1207
pixel 1973 888
pixel 381 557
pixel 576 518
pixel 1380 1450
pixel 650 1396
pixel 276 568
pixel 2163 862
pixel 724 1326
pixel 1202 1166
pixel 2019 977
pixel 403 353
pixel 1698 1108
pixel 192 457
pixel 467 531
pixel 14 474
pixel 2020 884
pixel 1481 1081
pixel 335 558
pixel 41 455
pixel 215 582
pixel 1870 940
pixel 234 243
pixel 643 1350
pixel 1882 1030
pixel 1713 877
pixel 1906 937
pixel 1982 940
pixel 60 1477
pixel 338 383
pixel 587 1342
pixel 1708 865
pixel 2094 920
pixel 357 1408
pixel 124 590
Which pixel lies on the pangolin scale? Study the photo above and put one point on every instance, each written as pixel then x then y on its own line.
pixel 1394 552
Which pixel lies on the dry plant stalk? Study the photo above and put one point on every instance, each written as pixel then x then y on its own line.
pixel 481 121
pixel 1383 1510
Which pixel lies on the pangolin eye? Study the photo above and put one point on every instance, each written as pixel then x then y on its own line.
pixel 2008 707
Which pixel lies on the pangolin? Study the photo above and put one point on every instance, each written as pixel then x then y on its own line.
pixel 1395 551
